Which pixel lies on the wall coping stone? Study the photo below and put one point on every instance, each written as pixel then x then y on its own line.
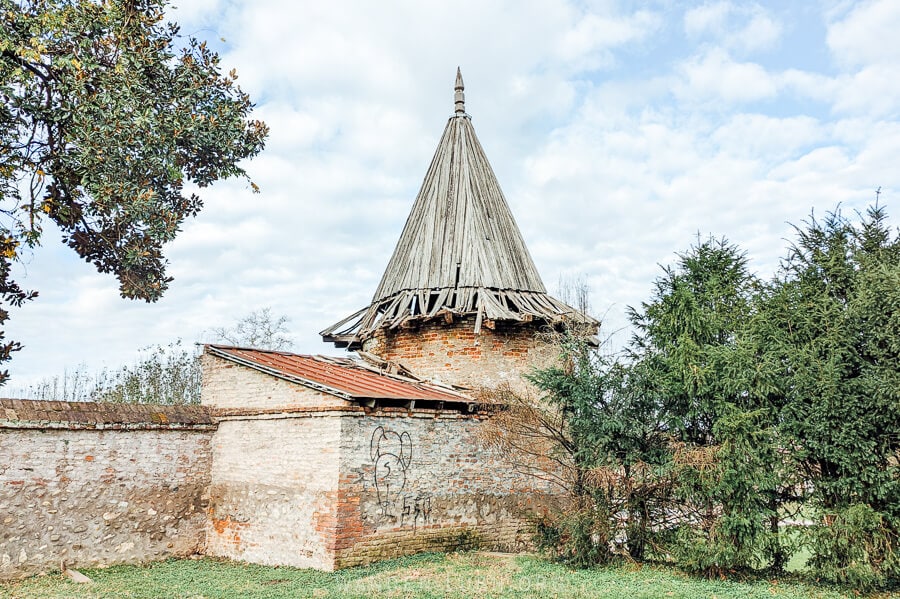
pixel 36 413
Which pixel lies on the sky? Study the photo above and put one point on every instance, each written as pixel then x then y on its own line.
pixel 619 132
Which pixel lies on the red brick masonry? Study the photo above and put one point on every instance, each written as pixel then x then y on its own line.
pixel 454 354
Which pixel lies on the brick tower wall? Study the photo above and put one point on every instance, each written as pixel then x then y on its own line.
pixel 452 353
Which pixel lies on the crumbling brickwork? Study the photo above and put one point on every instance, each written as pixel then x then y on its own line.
pixel 452 353
pixel 274 490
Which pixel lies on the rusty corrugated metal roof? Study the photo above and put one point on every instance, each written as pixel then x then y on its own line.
pixel 343 377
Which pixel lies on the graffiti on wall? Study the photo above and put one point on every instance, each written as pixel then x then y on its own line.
pixel 416 510
pixel 392 454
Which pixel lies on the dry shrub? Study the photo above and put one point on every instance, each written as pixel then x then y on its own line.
pixel 691 456
pixel 528 434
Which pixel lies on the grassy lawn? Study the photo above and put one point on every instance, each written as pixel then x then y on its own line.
pixel 462 575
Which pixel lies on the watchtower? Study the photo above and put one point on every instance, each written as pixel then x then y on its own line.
pixel 460 301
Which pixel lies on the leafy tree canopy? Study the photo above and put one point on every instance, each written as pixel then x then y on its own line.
pixel 830 328
pixel 106 113
pixel 777 406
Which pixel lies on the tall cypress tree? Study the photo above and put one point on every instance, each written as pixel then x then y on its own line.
pixel 830 333
pixel 689 347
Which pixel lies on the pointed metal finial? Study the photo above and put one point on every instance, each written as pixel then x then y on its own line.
pixel 459 97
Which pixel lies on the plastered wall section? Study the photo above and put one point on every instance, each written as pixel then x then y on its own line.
pixel 96 497
pixel 274 486
pixel 423 481
pixel 452 353
pixel 231 388
pixel 274 478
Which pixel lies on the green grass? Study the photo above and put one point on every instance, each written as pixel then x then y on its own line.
pixel 798 560
pixel 451 576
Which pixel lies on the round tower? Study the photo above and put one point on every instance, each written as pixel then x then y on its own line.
pixel 460 301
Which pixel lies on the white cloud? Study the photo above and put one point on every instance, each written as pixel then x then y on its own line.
pixel 760 33
pixel 614 144
pixel 815 86
pixel 588 44
pixel 709 18
pixel 636 185
pixel 740 27
pixel 862 42
pixel 193 10
pixel 769 138
pixel 715 76
pixel 866 35
pixel 873 90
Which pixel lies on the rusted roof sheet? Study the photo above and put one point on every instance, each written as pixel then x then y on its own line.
pixel 343 377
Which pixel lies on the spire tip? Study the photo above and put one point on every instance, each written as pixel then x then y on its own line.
pixel 459 97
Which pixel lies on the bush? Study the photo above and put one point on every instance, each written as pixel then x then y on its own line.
pixel 724 491
pixel 580 539
pixel 856 546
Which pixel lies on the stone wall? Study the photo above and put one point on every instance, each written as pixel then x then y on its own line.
pixel 291 476
pixel 319 486
pixel 422 481
pixel 453 353
pixel 99 484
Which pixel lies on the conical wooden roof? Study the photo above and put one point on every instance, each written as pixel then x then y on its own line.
pixel 460 252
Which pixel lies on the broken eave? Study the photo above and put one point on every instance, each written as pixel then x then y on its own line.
pixel 486 306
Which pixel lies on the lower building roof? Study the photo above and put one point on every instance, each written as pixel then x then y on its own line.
pixel 350 379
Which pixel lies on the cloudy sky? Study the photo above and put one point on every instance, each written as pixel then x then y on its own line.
pixel 618 132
